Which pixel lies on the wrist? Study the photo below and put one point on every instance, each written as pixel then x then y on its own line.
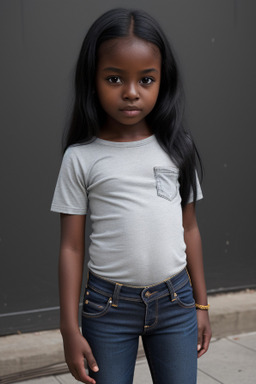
pixel 67 330
pixel 202 307
pixel 201 298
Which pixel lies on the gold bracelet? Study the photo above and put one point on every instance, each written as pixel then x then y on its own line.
pixel 203 307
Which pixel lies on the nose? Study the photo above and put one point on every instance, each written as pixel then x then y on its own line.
pixel 131 92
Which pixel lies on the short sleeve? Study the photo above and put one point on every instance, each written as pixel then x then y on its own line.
pixel 70 195
pixel 199 192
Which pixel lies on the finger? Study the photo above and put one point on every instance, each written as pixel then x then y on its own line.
pixel 199 340
pixel 80 375
pixel 201 352
pixel 92 362
pixel 206 341
pixel 205 344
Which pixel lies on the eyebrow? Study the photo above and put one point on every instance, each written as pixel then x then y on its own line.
pixel 118 70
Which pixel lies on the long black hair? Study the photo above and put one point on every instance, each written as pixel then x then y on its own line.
pixel 165 120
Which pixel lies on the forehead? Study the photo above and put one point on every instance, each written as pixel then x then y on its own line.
pixel 127 51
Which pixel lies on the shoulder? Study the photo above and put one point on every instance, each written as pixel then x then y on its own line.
pixel 80 152
pixel 80 158
pixel 79 148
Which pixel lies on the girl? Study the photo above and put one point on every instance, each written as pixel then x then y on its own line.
pixel 129 159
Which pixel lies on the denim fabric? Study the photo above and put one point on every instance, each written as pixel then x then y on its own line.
pixel 164 315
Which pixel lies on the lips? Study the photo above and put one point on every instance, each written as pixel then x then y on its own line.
pixel 130 111
pixel 130 108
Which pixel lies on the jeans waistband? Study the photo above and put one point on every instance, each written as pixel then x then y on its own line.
pixel 119 291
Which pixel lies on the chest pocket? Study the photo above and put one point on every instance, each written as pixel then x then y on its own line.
pixel 166 182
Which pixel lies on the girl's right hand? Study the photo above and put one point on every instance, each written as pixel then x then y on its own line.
pixel 76 350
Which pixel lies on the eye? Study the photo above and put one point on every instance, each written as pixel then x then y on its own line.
pixel 114 80
pixel 147 80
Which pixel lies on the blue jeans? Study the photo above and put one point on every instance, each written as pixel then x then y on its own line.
pixel 115 315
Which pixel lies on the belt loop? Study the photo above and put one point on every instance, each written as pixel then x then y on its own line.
pixel 171 290
pixel 116 294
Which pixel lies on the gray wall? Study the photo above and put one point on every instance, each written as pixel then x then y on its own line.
pixel 40 40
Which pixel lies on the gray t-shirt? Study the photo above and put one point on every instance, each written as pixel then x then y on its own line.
pixel 132 191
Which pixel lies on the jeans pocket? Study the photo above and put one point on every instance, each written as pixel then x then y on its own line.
pixel 166 182
pixel 185 297
pixel 95 304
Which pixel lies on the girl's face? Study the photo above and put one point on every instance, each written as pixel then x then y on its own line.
pixel 127 81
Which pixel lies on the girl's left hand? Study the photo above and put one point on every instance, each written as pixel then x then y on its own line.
pixel 204 332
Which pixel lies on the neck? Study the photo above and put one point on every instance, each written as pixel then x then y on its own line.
pixel 113 132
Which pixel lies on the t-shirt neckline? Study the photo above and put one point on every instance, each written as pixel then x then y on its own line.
pixel 136 143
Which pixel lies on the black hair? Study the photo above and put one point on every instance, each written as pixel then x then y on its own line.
pixel 165 120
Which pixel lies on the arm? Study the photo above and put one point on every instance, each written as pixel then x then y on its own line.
pixel 196 271
pixel 71 262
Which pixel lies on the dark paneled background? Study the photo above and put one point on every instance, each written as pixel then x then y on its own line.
pixel 40 40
